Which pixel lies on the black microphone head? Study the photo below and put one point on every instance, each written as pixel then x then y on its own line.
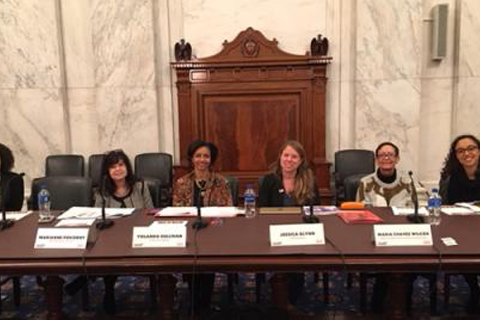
pixel 410 173
pixel 21 174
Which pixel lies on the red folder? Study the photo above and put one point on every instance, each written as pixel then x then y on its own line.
pixel 359 217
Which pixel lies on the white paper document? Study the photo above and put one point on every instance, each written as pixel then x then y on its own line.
pixel 406 211
pixel 75 223
pixel 207 212
pixel 17 215
pixel 457 211
pixel 94 213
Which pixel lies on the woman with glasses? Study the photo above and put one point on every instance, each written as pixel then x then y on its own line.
pixel 386 186
pixel 460 182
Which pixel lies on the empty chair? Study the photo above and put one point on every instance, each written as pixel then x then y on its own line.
pixel 157 165
pixel 65 192
pixel 95 168
pixel 352 164
pixel 64 165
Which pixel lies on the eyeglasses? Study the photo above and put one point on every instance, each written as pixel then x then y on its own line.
pixel 469 149
pixel 385 155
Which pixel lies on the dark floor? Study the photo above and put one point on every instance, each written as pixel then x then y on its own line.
pixel 133 301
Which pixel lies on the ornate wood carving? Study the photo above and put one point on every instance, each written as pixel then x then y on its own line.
pixel 248 99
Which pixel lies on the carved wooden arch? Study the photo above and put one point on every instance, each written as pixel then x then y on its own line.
pixel 248 99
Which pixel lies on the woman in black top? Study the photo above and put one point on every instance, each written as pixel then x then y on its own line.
pixel 290 183
pixel 460 182
pixel 13 200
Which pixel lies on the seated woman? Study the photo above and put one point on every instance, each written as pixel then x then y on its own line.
pixel 290 183
pixel 14 198
pixel 386 186
pixel 121 190
pixel 201 187
pixel 460 182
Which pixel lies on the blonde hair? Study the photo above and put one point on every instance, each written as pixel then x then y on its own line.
pixel 304 188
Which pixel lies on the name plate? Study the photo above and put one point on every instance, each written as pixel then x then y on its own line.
pixel 402 235
pixel 296 234
pixel 61 238
pixel 160 236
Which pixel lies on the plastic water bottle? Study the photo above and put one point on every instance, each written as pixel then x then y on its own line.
pixel 44 203
pixel 434 207
pixel 249 201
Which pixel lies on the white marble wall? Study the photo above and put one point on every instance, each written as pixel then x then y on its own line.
pixel 85 76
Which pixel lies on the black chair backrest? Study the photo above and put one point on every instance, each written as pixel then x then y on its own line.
pixel 156 165
pixel 155 189
pixel 65 192
pixel 95 168
pixel 353 161
pixel 64 165
pixel 351 184
pixel 233 184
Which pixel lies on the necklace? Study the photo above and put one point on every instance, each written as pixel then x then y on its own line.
pixel 202 185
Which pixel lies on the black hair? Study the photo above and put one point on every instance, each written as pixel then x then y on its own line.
pixel 387 143
pixel 451 164
pixel 195 145
pixel 6 158
pixel 113 157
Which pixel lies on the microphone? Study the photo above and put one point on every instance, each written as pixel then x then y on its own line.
pixel 199 223
pixel 309 218
pixel 104 224
pixel 414 218
pixel 5 223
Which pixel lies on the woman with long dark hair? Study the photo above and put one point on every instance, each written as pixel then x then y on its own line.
pixel 460 182
pixel 13 200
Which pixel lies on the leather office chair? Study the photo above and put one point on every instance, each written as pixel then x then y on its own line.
pixel 65 192
pixel 95 169
pixel 155 189
pixel 157 165
pixel 64 165
pixel 353 164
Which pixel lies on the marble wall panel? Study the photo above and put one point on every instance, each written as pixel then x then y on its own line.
pixel 122 40
pixel 388 39
pixel 469 42
pixel 33 127
pixel 467 116
pixel 207 23
pixel 388 110
pixel 28 44
pixel 125 119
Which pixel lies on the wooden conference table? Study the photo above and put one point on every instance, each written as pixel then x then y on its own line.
pixel 236 245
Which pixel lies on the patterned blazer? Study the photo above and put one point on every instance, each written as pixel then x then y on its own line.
pixel 217 191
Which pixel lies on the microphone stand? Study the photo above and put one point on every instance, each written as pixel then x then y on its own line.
pixel 414 218
pixel 6 223
pixel 104 224
pixel 199 223
pixel 310 218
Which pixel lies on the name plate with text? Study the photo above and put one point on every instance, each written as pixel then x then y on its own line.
pixel 402 235
pixel 61 238
pixel 160 236
pixel 297 234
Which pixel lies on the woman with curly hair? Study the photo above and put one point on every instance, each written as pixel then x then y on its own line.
pixel 460 182
pixel 13 200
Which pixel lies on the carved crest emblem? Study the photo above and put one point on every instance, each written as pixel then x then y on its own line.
pixel 250 48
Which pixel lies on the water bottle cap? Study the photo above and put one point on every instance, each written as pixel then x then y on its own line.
pixel 248 186
pixel 434 190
